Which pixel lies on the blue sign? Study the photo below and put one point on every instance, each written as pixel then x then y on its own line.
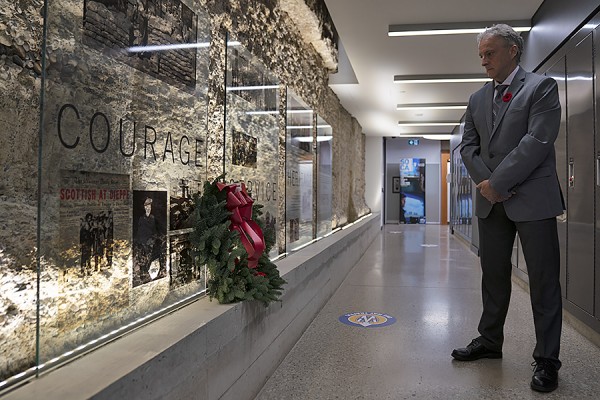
pixel 367 319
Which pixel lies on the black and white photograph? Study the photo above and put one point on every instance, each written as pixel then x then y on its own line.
pixel 149 236
pixel 180 213
pixel 138 28
pixel 293 230
pixel 183 269
pixel 244 148
pixel 96 241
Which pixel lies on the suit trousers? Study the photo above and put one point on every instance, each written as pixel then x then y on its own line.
pixel 539 240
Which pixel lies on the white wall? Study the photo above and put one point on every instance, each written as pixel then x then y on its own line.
pixel 374 172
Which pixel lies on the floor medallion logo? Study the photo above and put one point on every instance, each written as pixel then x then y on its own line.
pixel 367 319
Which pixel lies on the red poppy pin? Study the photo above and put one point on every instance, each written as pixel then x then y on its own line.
pixel 506 98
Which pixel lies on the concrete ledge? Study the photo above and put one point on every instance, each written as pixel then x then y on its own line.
pixel 207 350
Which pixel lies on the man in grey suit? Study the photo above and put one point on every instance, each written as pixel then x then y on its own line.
pixel 508 148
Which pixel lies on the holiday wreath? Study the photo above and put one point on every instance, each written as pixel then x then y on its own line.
pixel 233 246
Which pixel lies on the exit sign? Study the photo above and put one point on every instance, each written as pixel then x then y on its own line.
pixel 413 142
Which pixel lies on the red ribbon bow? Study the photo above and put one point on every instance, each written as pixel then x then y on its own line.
pixel 506 98
pixel 240 205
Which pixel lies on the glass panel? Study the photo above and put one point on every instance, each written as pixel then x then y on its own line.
pixel 324 181
pixel 252 130
pixel 123 151
pixel 299 173
pixel 21 41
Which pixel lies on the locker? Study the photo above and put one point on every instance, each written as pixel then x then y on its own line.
pixel 558 72
pixel 581 165
pixel 596 34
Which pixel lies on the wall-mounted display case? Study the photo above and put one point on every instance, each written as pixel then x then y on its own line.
pixel 300 124
pixel 105 147
pixel 324 177
pixel 122 94
pixel 251 150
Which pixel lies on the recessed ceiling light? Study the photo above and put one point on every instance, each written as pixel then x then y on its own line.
pixel 244 88
pixel 430 136
pixel 452 28
pixel 459 78
pixel 427 123
pixel 265 112
pixel 432 106
pixel 165 47
pixel 438 137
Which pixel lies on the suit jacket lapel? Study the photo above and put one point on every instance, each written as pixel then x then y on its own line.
pixel 514 88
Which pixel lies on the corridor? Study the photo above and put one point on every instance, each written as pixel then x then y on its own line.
pixel 429 281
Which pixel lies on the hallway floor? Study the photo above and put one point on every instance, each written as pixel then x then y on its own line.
pixel 429 281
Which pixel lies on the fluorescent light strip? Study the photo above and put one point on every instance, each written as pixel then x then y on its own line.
pixel 309 139
pixel 164 47
pixel 451 28
pixel 440 78
pixel 242 88
pixel 435 32
pixel 282 255
pixel 299 111
pixel 262 112
pixel 335 230
pixel 332 232
pixel 299 127
pixel 304 245
pixel 289 112
pixel 307 126
pixel 444 123
pixel 438 137
pixel 357 221
pixel 440 106
pixel 431 136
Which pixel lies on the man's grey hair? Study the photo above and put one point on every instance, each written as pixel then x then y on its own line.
pixel 507 33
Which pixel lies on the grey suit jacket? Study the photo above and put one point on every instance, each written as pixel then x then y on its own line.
pixel 517 155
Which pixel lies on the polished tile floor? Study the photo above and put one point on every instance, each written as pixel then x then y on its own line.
pixel 429 281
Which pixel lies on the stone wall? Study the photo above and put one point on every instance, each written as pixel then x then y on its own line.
pixel 271 35
pixel 76 305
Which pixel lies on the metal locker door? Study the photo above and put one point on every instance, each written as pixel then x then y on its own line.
pixel 558 71
pixel 596 34
pixel 581 168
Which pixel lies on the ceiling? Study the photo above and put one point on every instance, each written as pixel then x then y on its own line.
pixel 369 58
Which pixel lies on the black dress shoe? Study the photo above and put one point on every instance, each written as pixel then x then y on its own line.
pixel 545 376
pixel 475 351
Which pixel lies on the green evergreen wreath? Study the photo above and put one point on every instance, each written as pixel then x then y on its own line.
pixel 230 279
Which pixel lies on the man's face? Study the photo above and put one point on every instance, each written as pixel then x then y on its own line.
pixel 497 57
pixel 148 208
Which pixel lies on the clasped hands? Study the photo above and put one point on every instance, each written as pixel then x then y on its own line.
pixel 490 193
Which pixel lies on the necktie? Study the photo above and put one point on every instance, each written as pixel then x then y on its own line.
pixel 497 101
